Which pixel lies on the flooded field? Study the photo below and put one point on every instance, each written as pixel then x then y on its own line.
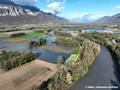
pixel 42 54
pixel 95 29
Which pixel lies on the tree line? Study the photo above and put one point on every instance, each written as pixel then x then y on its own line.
pixel 17 34
pixel 37 43
pixel 10 60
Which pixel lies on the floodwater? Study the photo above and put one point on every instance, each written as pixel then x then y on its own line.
pixel 116 32
pixel 72 31
pixel 42 54
pixel 95 29
pixel 103 72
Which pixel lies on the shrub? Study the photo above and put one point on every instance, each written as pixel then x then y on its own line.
pixel 9 60
pixel 62 33
pixel 71 42
pixel 17 34
pixel 37 43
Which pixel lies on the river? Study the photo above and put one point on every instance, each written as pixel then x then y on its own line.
pixel 103 72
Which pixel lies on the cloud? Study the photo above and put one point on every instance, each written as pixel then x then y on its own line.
pixel 56 7
pixel 117 7
pixel 25 2
pixel 84 17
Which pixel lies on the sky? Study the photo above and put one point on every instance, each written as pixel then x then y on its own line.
pixel 76 10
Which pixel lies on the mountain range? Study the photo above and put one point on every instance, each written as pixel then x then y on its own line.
pixel 109 19
pixel 12 13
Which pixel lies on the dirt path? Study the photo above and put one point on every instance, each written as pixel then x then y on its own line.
pixel 27 76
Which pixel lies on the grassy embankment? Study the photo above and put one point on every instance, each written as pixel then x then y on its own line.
pixel 74 68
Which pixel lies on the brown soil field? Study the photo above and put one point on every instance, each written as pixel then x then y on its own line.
pixel 1 71
pixel 15 40
pixel 27 76
pixel 56 49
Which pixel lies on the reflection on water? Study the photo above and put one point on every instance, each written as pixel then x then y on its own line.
pixel 42 54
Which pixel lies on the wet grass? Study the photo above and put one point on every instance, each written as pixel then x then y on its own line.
pixel 56 49
pixel 29 35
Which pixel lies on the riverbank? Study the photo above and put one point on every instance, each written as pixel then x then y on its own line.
pixel 108 40
pixel 102 73
pixel 112 43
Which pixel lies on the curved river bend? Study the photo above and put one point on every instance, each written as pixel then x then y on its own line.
pixel 102 73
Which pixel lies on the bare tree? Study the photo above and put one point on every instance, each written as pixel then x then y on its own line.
pixel 60 60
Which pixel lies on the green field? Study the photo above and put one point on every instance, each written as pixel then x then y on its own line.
pixel 2 34
pixel 29 35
